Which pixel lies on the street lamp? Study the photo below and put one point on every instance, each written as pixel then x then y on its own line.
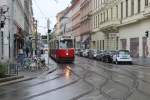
pixel 147 34
pixel 3 10
pixel 2 21
pixel 48 32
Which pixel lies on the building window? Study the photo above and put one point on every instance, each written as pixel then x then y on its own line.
pixel 139 6
pixel 96 3
pixel 103 45
pixel 2 44
pixel 146 3
pixel 98 21
pixel 97 44
pixel 107 15
pixel 126 8
pixel 104 16
pixel 117 11
pixel 132 7
pixel 94 21
pixel 101 17
pixel 111 13
pixel 121 10
pixel 100 45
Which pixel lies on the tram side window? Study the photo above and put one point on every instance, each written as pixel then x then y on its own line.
pixel 57 44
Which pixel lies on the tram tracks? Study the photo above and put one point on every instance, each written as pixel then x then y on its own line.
pixel 135 83
pixel 132 74
pixel 107 80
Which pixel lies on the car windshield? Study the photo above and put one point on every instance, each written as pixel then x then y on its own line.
pixel 66 44
pixel 124 53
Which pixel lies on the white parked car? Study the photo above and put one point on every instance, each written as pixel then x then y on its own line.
pixel 122 56
pixel 85 53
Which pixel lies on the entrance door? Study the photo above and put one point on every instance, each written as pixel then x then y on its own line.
pixel 134 47
pixel 123 44
pixel 145 47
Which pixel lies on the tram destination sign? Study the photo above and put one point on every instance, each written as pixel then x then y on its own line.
pixel 66 37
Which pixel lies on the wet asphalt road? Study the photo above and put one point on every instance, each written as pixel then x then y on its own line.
pixel 84 80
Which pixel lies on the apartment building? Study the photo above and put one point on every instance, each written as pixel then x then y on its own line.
pixel 85 27
pixel 121 24
pixel 65 21
pixel 75 9
pixel 58 24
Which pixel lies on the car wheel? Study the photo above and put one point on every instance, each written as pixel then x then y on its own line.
pixel 113 62
pixel 130 63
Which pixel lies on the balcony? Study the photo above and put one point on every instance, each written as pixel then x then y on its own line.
pixel 85 28
pixel 85 18
pixel 147 11
pixel 110 26
pixel 132 19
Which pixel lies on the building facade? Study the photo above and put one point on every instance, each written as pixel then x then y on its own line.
pixel 59 30
pixel 65 21
pixel 121 24
pixel 112 25
pixel 75 9
pixel 85 20
pixel 17 27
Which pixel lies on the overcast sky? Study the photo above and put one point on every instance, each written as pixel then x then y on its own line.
pixel 44 9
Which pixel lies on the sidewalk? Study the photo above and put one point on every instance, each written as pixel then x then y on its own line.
pixel 27 75
pixel 142 61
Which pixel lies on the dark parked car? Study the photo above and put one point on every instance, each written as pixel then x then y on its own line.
pixel 92 53
pixel 100 55
pixel 108 56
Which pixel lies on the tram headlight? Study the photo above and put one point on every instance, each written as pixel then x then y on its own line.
pixel 67 54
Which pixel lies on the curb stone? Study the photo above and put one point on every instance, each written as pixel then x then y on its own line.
pixel 10 78
pixel 16 81
pixel 25 79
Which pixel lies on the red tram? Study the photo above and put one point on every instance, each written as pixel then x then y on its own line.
pixel 62 49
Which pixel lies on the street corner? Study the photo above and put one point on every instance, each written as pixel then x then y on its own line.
pixel 48 70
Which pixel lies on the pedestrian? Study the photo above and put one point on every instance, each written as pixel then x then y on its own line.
pixel 20 57
pixel 27 51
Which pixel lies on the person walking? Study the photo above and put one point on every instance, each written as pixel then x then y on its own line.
pixel 27 51
pixel 20 58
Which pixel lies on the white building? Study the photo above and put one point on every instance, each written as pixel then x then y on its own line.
pixel 17 27
pixel 121 24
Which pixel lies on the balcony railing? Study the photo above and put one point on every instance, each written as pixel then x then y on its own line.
pixel 147 11
pixel 132 19
pixel 109 24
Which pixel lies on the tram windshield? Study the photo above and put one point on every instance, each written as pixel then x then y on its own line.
pixel 64 44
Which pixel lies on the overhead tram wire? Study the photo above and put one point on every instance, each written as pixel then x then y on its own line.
pixel 42 13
